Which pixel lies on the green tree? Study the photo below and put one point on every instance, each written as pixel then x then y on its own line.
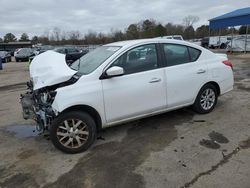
pixel 202 31
pixel 242 30
pixel 9 37
pixel 159 31
pixel 118 35
pixel 189 33
pixel 24 37
pixel 34 39
pixel 148 28
pixel 132 32
pixel 172 29
pixel 1 40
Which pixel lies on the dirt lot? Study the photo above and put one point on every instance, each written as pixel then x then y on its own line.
pixel 176 149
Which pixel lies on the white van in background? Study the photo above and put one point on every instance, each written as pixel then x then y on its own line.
pixel 219 41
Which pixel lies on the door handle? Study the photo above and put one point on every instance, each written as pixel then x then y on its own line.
pixel 153 80
pixel 200 71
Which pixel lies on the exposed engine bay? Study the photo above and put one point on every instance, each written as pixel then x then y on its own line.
pixel 37 104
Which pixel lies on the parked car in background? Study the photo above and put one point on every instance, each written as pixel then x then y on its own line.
pixel 5 56
pixel 23 54
pixel 15 52
pixel 40 50
pixel 120 82
pixel 72 53
pixel 44 48
pixel 205 42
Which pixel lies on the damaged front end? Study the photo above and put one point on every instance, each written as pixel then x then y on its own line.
pixel 37 106
pixel 48 71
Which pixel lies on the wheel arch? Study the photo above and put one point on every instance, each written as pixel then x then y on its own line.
pixel 215 84
pixel 88 109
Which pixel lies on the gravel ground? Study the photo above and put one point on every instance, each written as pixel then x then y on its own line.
pixel 175 149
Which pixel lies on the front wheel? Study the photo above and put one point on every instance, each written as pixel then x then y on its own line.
pixel 73 132
pixel 206 99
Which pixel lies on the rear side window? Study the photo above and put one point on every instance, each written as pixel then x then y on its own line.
pixel 176 54
pixel 194 54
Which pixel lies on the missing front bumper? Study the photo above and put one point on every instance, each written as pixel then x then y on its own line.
pixel 27 104
pixel 42 114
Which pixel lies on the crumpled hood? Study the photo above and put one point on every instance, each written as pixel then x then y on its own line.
pixel 49 68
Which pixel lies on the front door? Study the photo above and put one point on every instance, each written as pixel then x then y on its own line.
pixel 141 90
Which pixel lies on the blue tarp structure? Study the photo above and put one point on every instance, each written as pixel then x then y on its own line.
pixel 235 18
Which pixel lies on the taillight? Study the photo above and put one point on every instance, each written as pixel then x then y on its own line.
pixel 228 63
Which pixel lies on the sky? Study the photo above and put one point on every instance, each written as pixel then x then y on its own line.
pixel 37 17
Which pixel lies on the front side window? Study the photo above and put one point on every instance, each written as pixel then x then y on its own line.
pixel 138 59
pixel 176 54
pixel 89 62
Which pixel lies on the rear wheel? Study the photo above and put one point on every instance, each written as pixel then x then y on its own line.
pixel 206 99
pixel 73 132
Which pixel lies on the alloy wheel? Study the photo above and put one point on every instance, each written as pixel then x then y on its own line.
pixel 207 99
pixel 72 133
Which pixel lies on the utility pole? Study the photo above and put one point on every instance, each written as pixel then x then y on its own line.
pixel 246 40
pixel 232 39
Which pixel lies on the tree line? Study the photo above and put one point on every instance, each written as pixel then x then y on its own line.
pixel 148 28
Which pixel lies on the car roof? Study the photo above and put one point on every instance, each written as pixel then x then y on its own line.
pixel 128 43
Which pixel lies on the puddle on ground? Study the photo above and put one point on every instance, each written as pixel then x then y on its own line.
pixel 23 131
pixel 218 137
pixel 209 144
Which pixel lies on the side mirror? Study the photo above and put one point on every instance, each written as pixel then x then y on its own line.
pixel 112 72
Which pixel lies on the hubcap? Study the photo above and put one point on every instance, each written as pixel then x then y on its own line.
pixel 207 99
pixel 72 133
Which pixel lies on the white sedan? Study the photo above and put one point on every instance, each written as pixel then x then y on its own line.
pixel 121 82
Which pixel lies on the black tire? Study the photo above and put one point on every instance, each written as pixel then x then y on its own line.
pixel 89 123
pixel 223 46
pixel 198 107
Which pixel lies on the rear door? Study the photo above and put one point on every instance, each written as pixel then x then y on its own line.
pixel 185 74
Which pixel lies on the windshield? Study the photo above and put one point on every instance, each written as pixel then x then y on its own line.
pixel 24 51
pixel 89 62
